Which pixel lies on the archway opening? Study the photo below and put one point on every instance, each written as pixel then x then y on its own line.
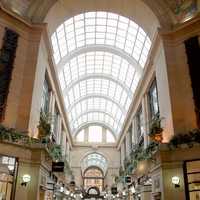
pixel 93 177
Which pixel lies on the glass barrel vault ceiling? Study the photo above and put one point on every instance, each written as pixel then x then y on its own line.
pixel 94 159
pixel 100 57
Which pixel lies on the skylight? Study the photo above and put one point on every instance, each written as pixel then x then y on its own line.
pixel 93 160
pixel 95 134
pixel 98 86
pixel 101 28
pixel 100 58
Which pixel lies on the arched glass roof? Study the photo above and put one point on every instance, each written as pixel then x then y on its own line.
pixel 95 160
pixel 101 28
pixel 100 57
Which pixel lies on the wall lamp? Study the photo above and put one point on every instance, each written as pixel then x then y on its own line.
pixel 26 178
pixel 176 181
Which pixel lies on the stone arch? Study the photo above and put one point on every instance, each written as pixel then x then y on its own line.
pixel 38 11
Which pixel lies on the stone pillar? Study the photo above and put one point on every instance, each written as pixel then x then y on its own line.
pixel 145 192
pixel 103 135
pixel 31 191
pixel 145 119
pixel 174 84
pixel 128 145
pixel 169 190
pixel 86 134
pixel 20 97
pixel 122 154
pixel 134 139
pixel 52 103
pixel 59 130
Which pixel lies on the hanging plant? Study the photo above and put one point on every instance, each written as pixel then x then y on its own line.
pixel 156 129
pixel 12 136
pixel 188 139
pixel 195 134
pixel 126 162
pixel 139 154
pixel 116 179
pixel 44 127
pixel 121 171
pixel 129 169
pixel 55 152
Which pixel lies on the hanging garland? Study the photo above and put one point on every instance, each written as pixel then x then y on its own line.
pixel 155 129
pixel 12 136
pixel 138 154
pixel 190 138
pixel 44 127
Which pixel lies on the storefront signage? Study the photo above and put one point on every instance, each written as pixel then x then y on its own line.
pixel 58 166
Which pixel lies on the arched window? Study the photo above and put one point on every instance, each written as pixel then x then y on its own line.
pixel 95 134
pixel 93 177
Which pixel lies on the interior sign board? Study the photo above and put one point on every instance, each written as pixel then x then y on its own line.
pixel 58 166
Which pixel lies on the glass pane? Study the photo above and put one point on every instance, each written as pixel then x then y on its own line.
pixel 81 136
pixel 109 137
pixel 95 134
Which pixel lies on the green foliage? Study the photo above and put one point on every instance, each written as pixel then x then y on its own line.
pixel 44 127
pixel 121 171
pixel 13 136
pixel 188 138
pixel 116 179
pixel 55 152
pixel 155 125
pixel 138 154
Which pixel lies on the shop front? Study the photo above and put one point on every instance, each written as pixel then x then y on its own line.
pixel 8 172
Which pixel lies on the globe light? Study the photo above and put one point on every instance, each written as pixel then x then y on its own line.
pixel 132 189
pixel 11 167
pixel 26 178
pixel 176 181
pixel 67 192
pixel 61 189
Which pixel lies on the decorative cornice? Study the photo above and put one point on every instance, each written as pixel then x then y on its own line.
pixel 181 32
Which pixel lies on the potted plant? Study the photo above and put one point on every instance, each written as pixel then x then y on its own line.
pixel 44 127
pixel 55 152
pixel 156 129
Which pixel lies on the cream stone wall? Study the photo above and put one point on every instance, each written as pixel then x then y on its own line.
pixel 42 64
pixel 163 93
pixel 32 161
pixel 180 90
pixel 26 86
pixel 168 63
pixel 21 86
pixel 141 93
pixel 133 9
pixel 111 154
